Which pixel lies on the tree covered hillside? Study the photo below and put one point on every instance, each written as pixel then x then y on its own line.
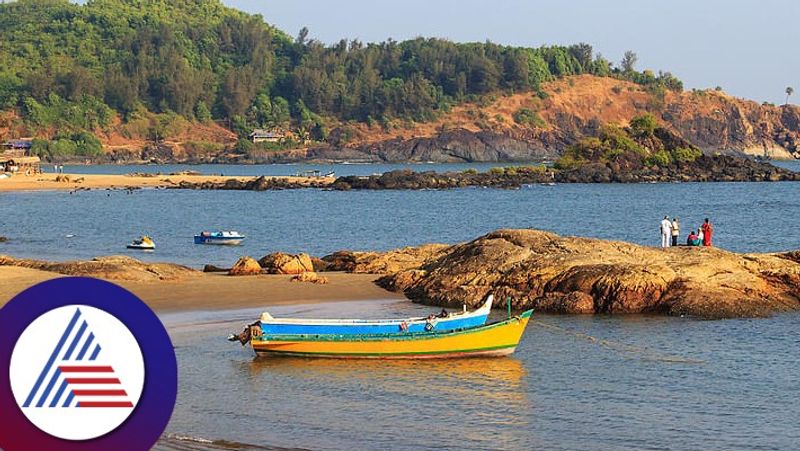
pixel 68 68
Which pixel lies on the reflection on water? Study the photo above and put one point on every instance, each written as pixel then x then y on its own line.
pixel 493 380
pixel 576 382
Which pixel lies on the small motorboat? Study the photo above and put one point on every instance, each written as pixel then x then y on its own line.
pixel 145 243
pixel 489 340
pixel 223 237
pixel 441 322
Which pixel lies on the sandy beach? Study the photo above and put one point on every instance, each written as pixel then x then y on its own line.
pixel 47 181
pixel 219 291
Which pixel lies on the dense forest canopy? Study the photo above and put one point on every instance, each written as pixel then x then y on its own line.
pixel 70 67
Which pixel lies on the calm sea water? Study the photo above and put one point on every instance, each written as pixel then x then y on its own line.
pixel 633 382
pixel 58 225
pixel 576 382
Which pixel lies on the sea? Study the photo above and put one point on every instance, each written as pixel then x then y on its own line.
pixel 575 383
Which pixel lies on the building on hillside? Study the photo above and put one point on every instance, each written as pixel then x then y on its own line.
pixel 20 147
pixel 267 136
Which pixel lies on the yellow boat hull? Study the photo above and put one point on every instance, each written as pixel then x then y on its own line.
pixel 490 340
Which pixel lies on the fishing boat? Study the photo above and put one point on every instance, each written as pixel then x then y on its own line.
pixel 223 237
pixel 144 243
pixel 442 322
pixel 490 340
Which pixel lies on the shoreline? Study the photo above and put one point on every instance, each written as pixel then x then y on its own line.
pixel 214 291
pixel 77 182
pixel 704 169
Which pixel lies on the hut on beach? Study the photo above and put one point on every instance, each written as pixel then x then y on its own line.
pixel 27 165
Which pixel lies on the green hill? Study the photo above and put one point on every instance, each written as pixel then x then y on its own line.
pixel 68 68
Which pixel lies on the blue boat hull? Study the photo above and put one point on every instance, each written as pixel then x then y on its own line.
pixel 443 324
pixel 216 240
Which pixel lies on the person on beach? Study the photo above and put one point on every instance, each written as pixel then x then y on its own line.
pixel 693 239
pixel 676 231
pixel 708 231
pixel 666 232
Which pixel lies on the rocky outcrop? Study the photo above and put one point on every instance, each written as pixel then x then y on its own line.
pixel 718 168
pixel 245 266
pixel 384 262
pixel 737 126
pixel 280 263
pixel 557 274
pixel 111 268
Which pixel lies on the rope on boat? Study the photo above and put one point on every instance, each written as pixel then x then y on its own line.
pixel 639 352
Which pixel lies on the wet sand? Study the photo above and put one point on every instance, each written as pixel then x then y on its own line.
pixel 219 291
pixel 47 181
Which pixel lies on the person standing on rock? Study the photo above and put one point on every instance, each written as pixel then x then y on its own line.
pixel 676 231
pixel 666 232
pixel 708 231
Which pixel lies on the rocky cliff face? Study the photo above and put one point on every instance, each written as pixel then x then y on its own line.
pixel 578 275
pixel 575 107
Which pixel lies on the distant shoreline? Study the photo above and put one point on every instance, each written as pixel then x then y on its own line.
pixel 75 182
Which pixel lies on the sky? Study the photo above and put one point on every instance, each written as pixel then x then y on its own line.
pixel 749 48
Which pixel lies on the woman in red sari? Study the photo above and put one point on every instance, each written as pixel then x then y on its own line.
pixel 708 230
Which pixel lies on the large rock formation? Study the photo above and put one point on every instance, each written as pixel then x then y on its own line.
pixel 245 266
pixel 578 275
pixel 280 263
pixel 111 268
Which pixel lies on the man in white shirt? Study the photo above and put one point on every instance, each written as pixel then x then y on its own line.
pixel 666 232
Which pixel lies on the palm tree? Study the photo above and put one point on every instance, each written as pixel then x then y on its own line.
pixel 789 92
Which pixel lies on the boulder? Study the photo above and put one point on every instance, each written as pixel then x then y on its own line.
pixel 389 262
pixel 340 261
pixel 245 266
pixel 212 268
pixel 319 264
pixel 3 239
pixel 311 277
pixel 281 263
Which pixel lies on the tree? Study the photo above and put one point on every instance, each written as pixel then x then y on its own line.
pixel 629 60
pixel 583 53
pixel 644 125
pixel 789 92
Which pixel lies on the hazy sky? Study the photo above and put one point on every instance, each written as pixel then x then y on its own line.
pixel 748 47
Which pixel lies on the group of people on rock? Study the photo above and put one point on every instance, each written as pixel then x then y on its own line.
pixel 671 233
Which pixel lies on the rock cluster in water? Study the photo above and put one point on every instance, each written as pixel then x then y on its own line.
pixel 557 274
pixel 717 168
pixel 256 184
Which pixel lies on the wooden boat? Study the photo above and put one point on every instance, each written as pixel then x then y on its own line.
pixel 223 237
pixel 144 243
pixel 443 322
pixel 490 340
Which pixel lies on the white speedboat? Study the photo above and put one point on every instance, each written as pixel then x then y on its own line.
pixel 223 237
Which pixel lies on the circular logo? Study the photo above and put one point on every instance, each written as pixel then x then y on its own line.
pixel 90 366
pixel 84 380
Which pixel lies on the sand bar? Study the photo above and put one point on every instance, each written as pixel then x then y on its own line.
pixel 47 181
pixel 219 291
